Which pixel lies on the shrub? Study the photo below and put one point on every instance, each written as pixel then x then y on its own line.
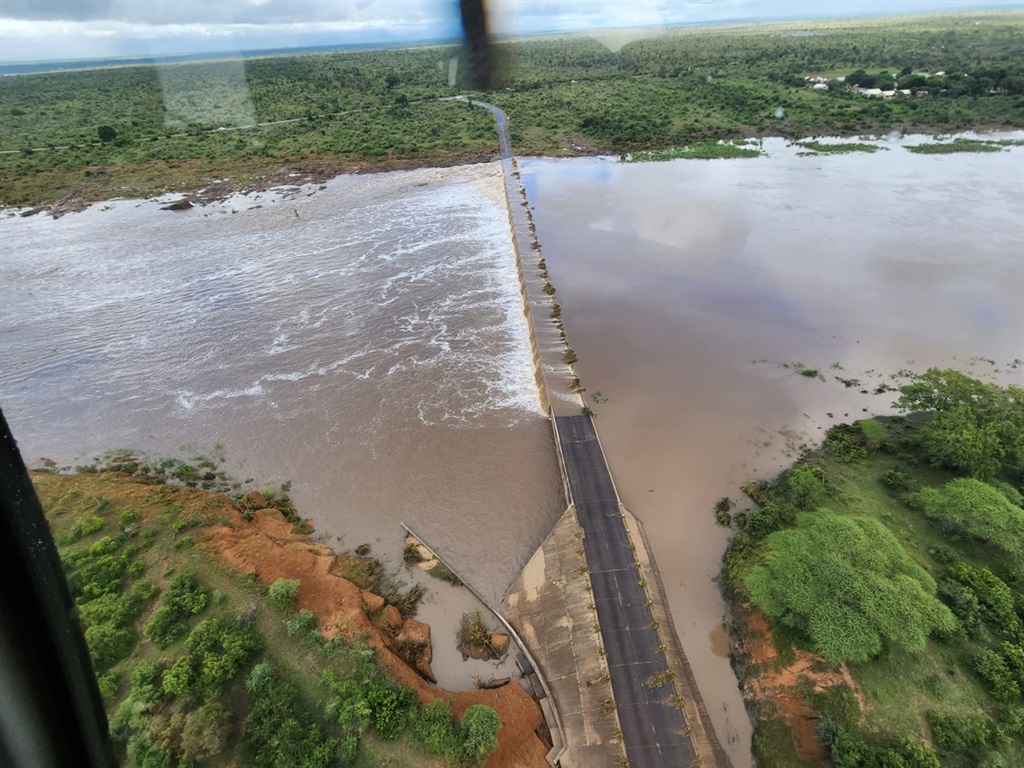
pixel 804 488
pixel 280 732
pixel 896 480
pixel 845 443
pixel 390 709
pixel 108 644
pixel 282 593
pixel 999 678
pixel 849 585
pixel 875 434
pixel 480 725
pixel 302 623
pixel 994 598
pixel 434 727
pixel 108 688
pixel 979 510
pixel 183 599
pixel 961 734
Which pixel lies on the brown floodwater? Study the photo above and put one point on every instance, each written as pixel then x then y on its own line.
pixel 364 340
pixel 692 291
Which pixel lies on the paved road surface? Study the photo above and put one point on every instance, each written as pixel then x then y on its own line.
pixel 503 140
pixel 654 732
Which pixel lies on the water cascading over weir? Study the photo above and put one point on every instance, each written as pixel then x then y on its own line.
pixel 589 606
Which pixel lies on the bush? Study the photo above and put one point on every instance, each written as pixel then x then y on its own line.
pixel 434 727
pixel 848 584
pixel 969 735
pixel 875 434
pixel 280 732
pixel 302 623
pixel 108 644
pixel 183 599
pixel 390 708
pixel 978 509
pixel 282 593
pixel 804 488
pixel 994 598
pixel 896 480
pixel 480 725
pixel 999 678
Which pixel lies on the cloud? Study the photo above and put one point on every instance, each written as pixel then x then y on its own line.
pixel 61 29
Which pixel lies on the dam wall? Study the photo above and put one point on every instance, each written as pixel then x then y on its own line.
pixel 552 358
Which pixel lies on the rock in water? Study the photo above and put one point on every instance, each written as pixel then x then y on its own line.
pixel 179 205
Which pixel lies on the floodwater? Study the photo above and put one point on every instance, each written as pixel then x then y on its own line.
pixel 690 291
pixel 364 340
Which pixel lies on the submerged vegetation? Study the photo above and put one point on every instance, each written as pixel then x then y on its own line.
pixel 141 130
pixel 894 555
pixel 201 665
pixel 843 148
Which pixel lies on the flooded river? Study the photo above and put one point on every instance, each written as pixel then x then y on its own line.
pixel 366 342
pixel 693 291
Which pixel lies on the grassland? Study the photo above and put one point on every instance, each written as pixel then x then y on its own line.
pixel 138 130
pixel 953 696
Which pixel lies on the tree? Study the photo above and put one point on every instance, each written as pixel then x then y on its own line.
pixel 977 425
pixel 480 725
pixel 847 583
pixel 979 510
pixel 106 133
pixel 954 439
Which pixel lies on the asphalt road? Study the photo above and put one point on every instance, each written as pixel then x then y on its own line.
pixel 503 140
pixel 654 732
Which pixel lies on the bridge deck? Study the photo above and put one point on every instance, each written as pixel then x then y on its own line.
pixel 654 731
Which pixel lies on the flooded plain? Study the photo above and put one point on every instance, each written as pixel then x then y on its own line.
pixel 364 340
pixel 694 293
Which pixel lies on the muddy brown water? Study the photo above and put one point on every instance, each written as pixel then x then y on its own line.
pixel 687 287
pixel 365 341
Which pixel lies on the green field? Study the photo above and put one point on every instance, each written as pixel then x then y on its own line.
pixel 897 550
pixel 139 130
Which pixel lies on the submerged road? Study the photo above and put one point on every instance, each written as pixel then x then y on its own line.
pixel 654 731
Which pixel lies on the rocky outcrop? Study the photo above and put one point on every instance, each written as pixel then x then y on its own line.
pixel 178 205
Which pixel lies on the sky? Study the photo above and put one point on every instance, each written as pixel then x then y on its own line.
pixel 39 30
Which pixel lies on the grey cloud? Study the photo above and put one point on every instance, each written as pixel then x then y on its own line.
pixel 160 12
pixel 57 10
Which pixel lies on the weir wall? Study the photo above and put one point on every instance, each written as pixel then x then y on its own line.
pixel 554 374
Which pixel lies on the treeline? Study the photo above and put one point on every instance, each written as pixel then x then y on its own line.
pixel 560 93
pixel 898 550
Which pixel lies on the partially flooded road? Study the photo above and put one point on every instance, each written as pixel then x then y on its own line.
pixel 695 291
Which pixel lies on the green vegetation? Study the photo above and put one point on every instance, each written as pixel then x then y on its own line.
pixel 199 665
pixel 843 148
pixel 145 129
pixel 704 150
pixel 474 639
pixel 955 146
pixel 887 550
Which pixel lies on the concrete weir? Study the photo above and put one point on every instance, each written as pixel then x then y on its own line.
pixel 589 607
